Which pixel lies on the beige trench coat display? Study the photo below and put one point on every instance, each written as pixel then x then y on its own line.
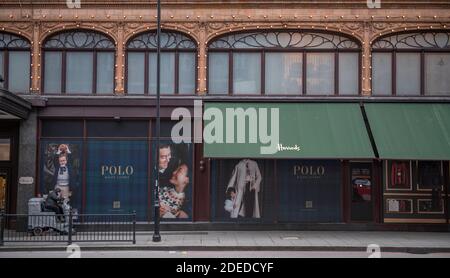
pixel 245 170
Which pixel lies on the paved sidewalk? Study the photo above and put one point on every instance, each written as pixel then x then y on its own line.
pixel 265 240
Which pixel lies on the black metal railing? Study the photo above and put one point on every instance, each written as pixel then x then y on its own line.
pixel 69 228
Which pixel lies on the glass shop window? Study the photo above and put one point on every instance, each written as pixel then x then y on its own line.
pixel 120 128
pixel 62 128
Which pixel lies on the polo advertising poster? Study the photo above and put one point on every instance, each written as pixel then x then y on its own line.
pixel 61 168
pixel 117 177
pixel 175 180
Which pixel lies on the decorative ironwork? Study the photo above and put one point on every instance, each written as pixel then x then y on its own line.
pixel 284 39
pixel 169 40
pixel 11 41
pixel 427 40
pixel 79 39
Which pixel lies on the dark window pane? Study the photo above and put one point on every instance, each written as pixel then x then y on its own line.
pixel 430 174
pixel 117 129
pixel 5 149
pixel 60 128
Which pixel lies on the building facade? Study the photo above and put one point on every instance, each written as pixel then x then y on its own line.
pixel 362 93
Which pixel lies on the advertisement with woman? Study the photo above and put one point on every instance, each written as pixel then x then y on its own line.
pixel 175 180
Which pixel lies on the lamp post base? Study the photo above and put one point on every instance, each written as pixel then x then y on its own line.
pixel 156 238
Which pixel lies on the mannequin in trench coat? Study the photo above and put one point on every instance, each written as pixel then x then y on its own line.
pixel 245 171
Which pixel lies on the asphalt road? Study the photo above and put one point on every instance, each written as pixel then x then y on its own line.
pixel 213 254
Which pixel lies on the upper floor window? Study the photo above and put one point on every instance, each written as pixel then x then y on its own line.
pixel 15 63
pixel 78 62
pixel 411 64
pixel 178 64
pixel 284 63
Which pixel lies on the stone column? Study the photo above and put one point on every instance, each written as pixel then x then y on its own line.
pixel 27 163
pixel 202 60
pixel 36 60
pixel 366 63
pixel 120 61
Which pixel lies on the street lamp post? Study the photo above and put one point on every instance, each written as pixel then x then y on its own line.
pixel 156 235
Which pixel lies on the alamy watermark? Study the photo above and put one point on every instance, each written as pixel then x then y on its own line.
pixel 73 4
pixel 229 126
pixel 74 251
pixel 374 4
pixel 374 251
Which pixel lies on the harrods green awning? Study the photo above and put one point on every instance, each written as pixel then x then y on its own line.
pixel 410 130
pixel 301 130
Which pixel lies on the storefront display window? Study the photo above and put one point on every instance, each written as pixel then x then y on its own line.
pixel 429 175
pixel 399 175
pixel 108 167
pixel 423 202
pixel 3 185
pixel 430 205
pixel 399 206
pixel 241 189
pixel 309 190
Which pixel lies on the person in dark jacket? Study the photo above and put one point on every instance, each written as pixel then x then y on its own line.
pixel 53 201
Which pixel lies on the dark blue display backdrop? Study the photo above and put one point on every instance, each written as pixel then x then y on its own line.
pixel 180 156
pixel 117 177
pixel 50 150
pixel 309 190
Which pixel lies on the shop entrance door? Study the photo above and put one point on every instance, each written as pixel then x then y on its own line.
pixel 361 191
pixel 4 182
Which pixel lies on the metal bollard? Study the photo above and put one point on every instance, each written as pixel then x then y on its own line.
pixel 70 227
pixel 2 227
pixel 134 227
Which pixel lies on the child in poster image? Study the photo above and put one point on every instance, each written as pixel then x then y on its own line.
pixel 171 198
pixel 229 201
pixel 63 177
